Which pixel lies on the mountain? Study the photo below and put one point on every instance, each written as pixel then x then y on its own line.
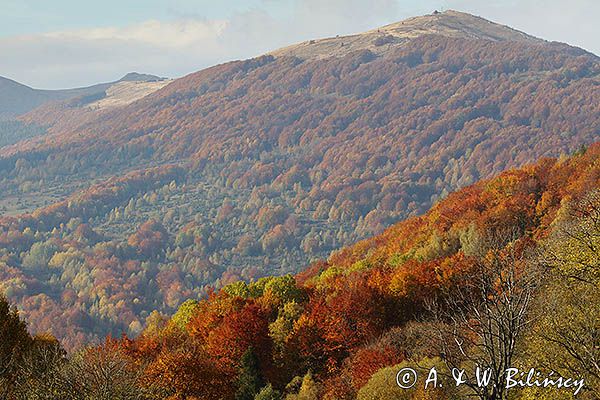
pixel 255 167
pixel 451 24
pixel 17 99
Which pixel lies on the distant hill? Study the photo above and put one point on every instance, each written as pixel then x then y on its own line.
pixel 17 99
pixel 255 167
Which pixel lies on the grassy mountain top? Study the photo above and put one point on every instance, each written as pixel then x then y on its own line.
pixel 452 24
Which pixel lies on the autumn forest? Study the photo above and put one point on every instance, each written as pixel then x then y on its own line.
pixel 301 229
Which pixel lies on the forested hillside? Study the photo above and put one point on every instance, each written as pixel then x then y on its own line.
pixel 256 167
pixel 509 264
pixel 328 331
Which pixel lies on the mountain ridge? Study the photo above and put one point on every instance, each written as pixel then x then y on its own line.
pixel 380 40
pixel 17 98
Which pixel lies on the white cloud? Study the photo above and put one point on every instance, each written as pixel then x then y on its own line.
pixel 73 58
pixel 177 47
pixel 174 48
pixel 184 33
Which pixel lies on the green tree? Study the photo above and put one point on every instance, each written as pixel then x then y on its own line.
pixel 566 336
pixel 14 344
pixel 280 329
pixel 249 380
pixel 184 313
pixel 575 244
pixel 39 255
pixel 237 289
pixel 383 384
pixel 268 393
pixel 184 239
pixel 309 389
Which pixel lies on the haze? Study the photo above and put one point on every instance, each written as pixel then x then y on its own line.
pixel 67 43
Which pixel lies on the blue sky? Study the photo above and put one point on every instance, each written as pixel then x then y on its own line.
pixel 22 17
pixel 67 43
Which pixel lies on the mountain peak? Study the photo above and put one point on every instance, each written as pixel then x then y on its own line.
pixel 451 23
pixel 137 77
